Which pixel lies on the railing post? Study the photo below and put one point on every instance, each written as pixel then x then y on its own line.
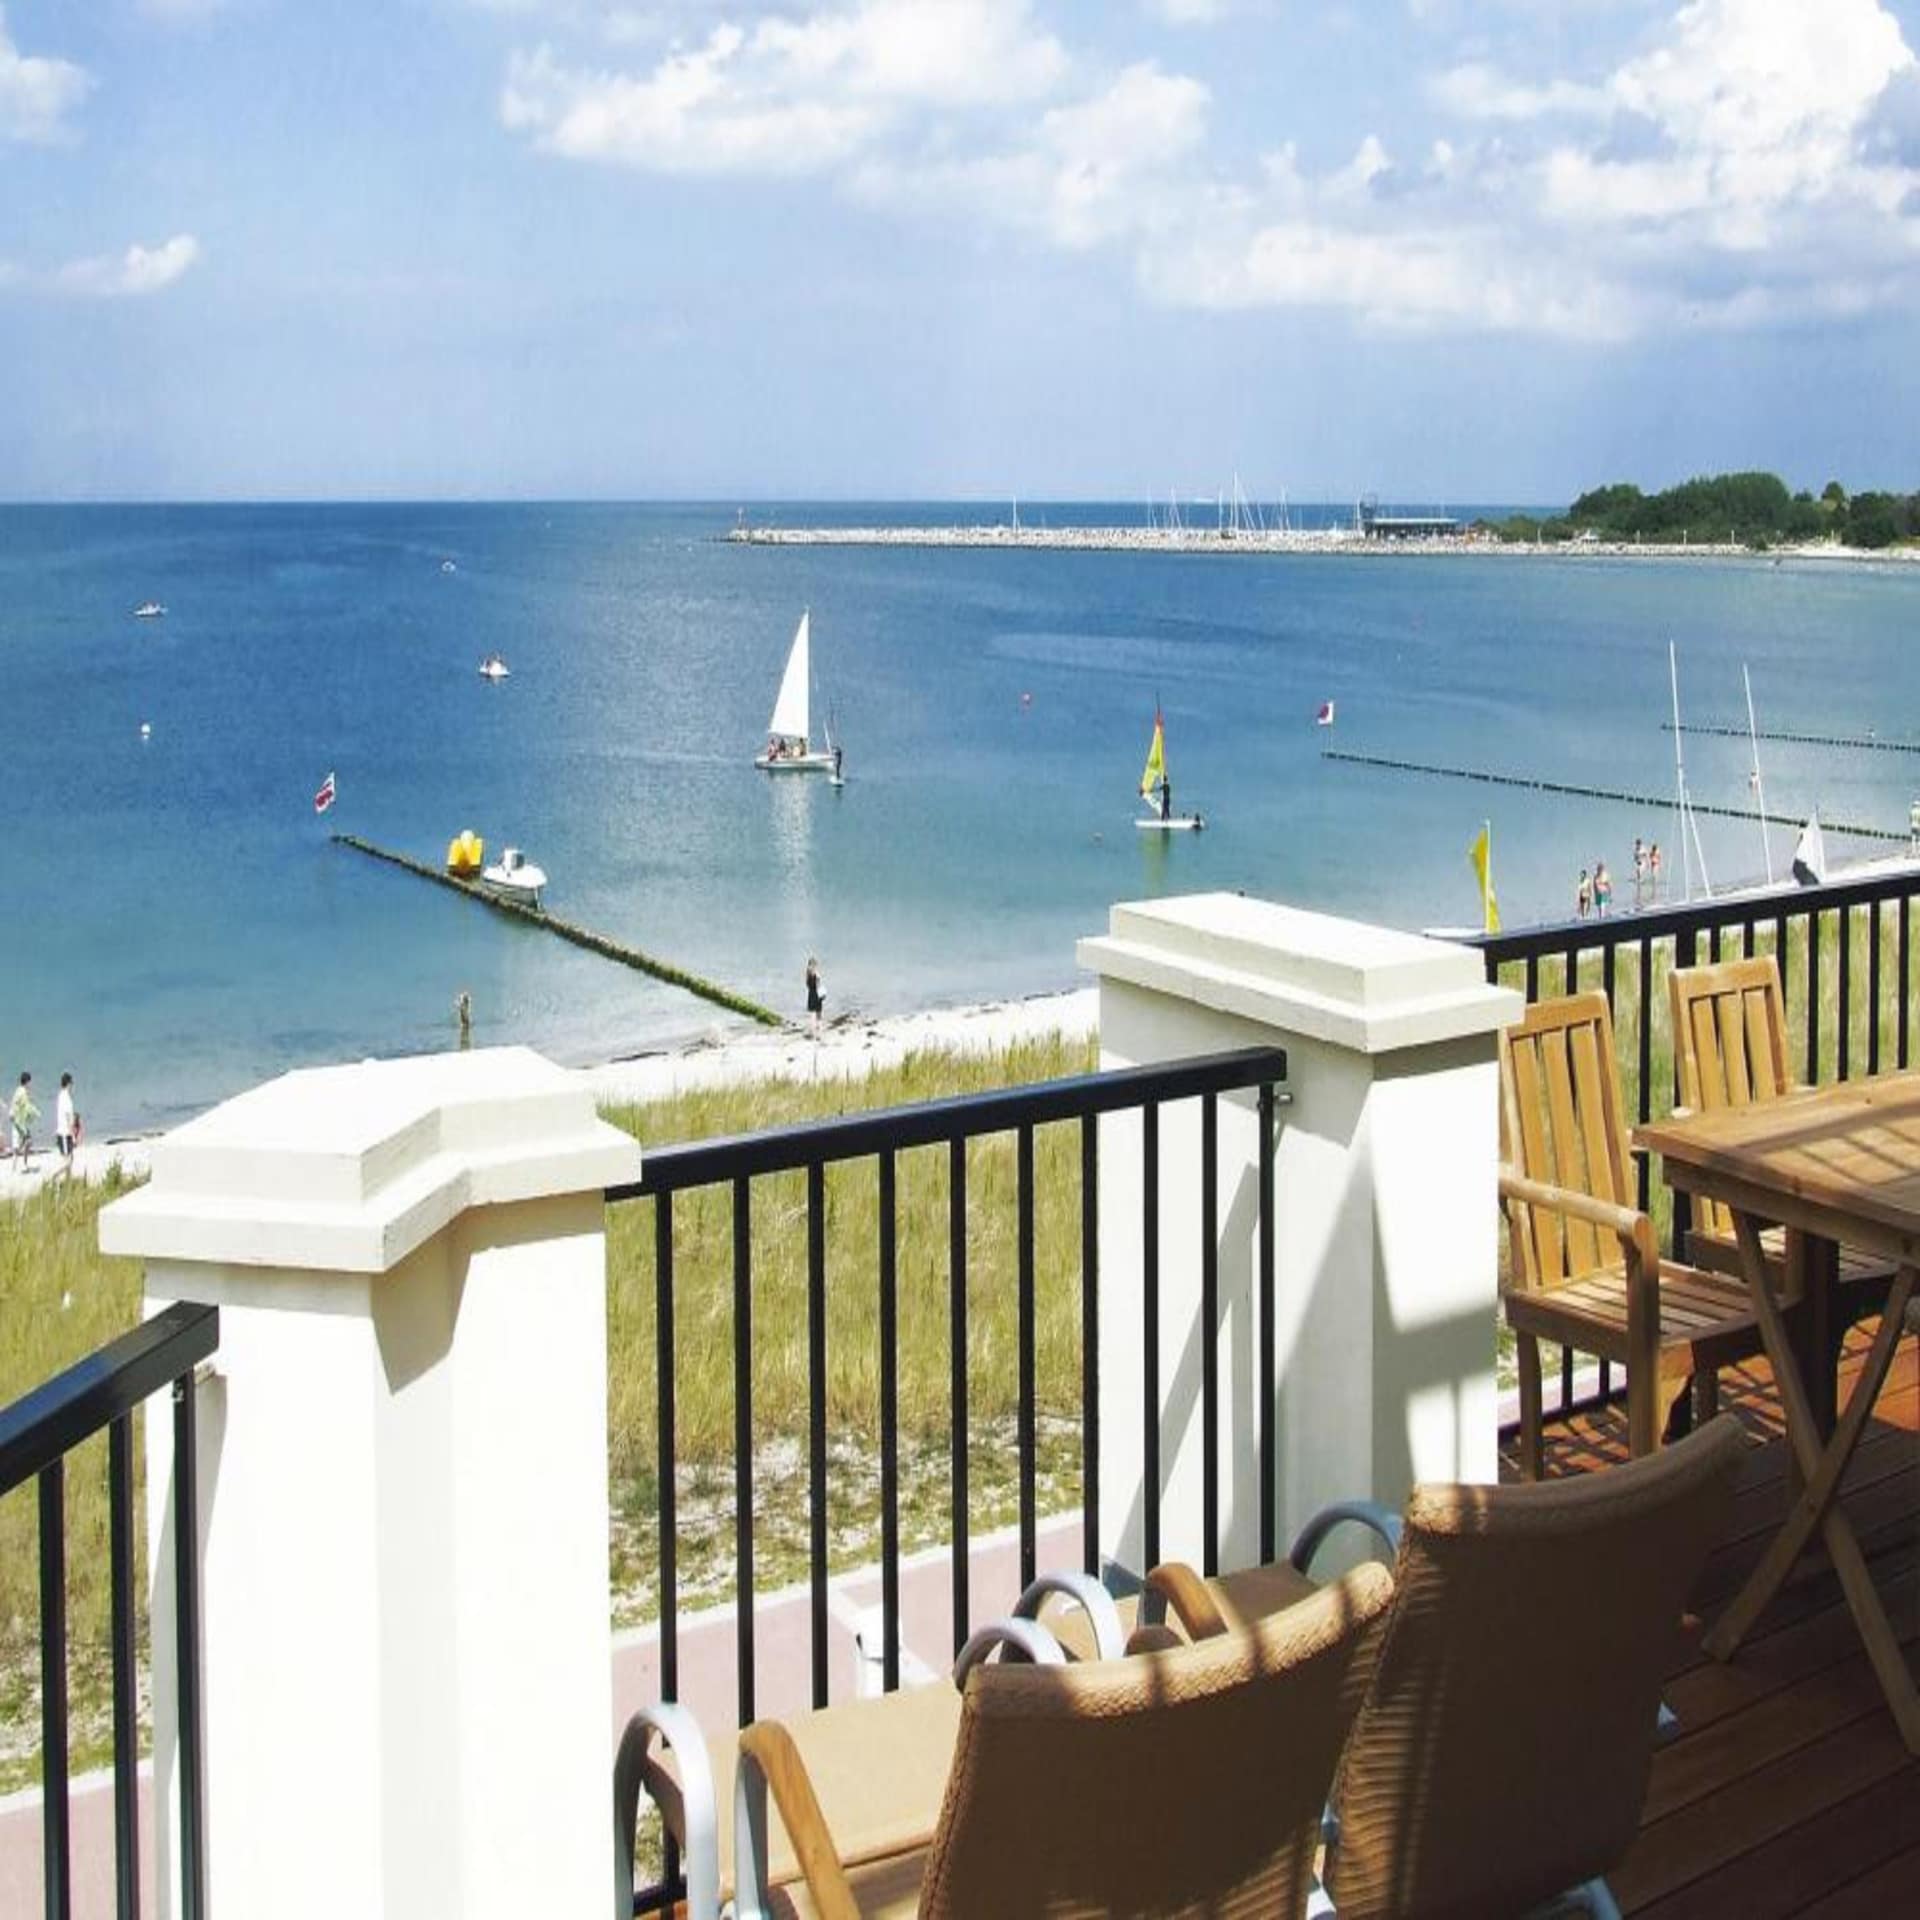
pixel 398 1483
pixel 1385 1302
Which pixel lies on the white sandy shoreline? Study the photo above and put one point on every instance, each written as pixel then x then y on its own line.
pixel 848 1049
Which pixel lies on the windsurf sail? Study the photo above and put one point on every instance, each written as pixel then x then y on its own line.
pixel 1156 769
pixel 1481 854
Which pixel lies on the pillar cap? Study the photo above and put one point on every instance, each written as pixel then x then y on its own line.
pixel 1368 988
pixel 349 1169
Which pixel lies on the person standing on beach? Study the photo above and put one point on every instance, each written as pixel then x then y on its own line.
pixel 1602 888
pixel 1653 868
pixel 66 1126
pixel 1639 866
pixel 23 1113
pixel 1583 897
pixel 814 1002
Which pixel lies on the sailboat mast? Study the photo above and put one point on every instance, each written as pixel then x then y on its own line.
pixel 1679 775
pixel 1759 791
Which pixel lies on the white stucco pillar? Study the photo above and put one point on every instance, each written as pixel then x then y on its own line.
pixel 402 1488
pixel 1385 1205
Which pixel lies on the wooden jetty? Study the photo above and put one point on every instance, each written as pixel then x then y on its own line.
pixel 600 943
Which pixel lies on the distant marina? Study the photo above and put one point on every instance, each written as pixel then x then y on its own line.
pixel 1405 536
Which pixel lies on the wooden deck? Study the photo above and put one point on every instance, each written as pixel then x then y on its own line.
pixel 1787 1789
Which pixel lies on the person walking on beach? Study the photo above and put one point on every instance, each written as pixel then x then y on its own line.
pixel 1583 897
pixel 1602 888
pixel 1639 866
pixel 23 1113
pixel 1653 868
pixel 814 1002
pixel 66 1126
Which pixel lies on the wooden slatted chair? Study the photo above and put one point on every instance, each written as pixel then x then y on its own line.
pixel 1585 1269
pixel 1730 1046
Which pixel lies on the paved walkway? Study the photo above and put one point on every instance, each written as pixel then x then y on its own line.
pixel 783 1656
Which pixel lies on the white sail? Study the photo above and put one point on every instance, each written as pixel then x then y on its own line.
pixel 790 709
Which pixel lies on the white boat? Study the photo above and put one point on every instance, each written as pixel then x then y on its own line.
pixel 790 747
pixel 1154 780
pixel 493 668
pixel 514 877
pixel 149 610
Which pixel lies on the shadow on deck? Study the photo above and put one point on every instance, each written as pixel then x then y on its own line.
pixel 1787 1790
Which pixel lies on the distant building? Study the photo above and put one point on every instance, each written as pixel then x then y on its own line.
pixel 1376 525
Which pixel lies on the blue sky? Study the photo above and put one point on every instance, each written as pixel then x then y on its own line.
pixel 1448 250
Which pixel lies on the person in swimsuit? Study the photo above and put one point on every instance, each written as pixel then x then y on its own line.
pixel 814 1001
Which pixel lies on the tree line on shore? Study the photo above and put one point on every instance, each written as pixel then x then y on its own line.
pixel 1751 509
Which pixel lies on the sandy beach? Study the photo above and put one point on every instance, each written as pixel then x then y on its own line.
pixel 848 1049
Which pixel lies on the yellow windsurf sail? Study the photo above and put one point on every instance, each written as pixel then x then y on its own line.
pixel 1481 854
pixel 1156 772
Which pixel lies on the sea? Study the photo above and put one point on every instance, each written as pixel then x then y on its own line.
pixel 178 923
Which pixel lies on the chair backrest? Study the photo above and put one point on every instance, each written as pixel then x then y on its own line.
pixel 1730 1046
pixel 1561 1123
pixel 1188 1781
pixel 1502 1753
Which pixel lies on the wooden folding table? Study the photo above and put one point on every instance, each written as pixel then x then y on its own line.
pixel 1831 1164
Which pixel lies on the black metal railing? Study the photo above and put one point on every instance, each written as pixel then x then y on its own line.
pixel 882 1136
pixel 37 1433
pixel 1815 935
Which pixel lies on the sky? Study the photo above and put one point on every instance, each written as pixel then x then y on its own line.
pixel 1447 251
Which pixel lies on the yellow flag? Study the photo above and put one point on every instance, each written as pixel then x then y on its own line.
pixel 1481 854
pixel 1156 759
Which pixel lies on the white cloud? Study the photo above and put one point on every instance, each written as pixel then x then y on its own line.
pixel 1476 91
pixel 36 93
pixel 140 270
pixel 787 95
pixel 1187 13
pixel 1753 163
pixel 181 9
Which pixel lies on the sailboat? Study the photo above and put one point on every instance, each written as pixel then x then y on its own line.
pixel 790 747
pixel 1154 780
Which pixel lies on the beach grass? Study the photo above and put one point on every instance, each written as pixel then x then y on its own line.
pixel 60 1300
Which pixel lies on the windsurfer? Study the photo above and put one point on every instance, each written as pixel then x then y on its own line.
pixel 1166 799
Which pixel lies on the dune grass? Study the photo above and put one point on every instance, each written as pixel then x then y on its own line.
pixel 704 1329
pixel 60 1299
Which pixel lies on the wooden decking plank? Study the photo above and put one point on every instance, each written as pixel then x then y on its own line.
pixel 1893 1887
pixel 1808 1708
pixel 1807 1861
pixel 1748 1810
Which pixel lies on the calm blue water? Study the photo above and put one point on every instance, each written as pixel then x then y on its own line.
pixel 177 925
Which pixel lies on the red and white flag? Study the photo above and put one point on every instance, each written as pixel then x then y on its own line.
pixel 324 798
pixel 1324 718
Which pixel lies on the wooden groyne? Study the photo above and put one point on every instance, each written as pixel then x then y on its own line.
pixel 1866 741
pixel 1657 801
pixel 600 943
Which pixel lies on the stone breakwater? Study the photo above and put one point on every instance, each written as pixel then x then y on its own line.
pixel 1340 540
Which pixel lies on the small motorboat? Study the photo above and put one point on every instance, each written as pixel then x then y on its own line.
pixel 515 877
pixel 149 610
pixel 493 668
pixel 447 566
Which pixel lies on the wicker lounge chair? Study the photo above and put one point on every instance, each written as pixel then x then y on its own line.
pixel 1183 1781
pixel 1519 1612
pixel 689 1775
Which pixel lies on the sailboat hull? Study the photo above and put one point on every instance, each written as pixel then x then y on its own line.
pixel 795 763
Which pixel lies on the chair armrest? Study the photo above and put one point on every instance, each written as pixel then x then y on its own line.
pixel 1175 1584
pixel 634 1768
pixel 1632 1227
pixel 1109 1637
pixel 1025 1640
pixel 769 1758
pixel 1378 1519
